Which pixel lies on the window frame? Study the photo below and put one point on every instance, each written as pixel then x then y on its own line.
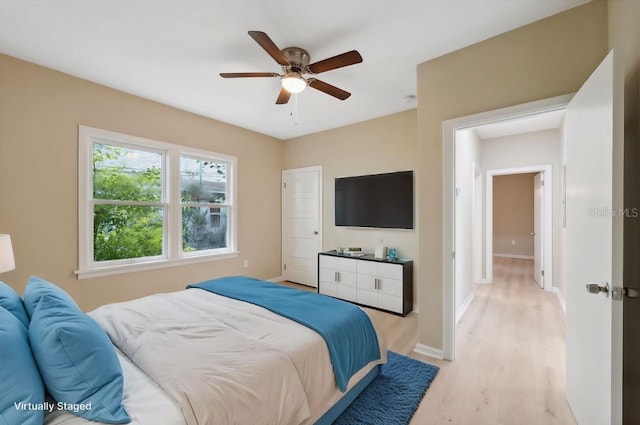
pixel 172 252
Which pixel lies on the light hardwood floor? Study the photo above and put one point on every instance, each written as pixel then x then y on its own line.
pixel 510 356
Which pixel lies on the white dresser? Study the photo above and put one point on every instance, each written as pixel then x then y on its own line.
pixel 383 284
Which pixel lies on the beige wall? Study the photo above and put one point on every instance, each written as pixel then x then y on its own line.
pixel 547 58
pixel 513 214
pixel 377 146
pixel 40 110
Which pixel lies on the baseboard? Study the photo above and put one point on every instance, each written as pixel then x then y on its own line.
pixel 483 282
pixel 425 350
pixel 560 296
pixel 416 309
pixel 276 279
pixel 519 257
pixel 465 305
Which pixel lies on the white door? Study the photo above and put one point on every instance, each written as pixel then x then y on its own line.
pixel 537 229
pixel 301 224
pixel 594 342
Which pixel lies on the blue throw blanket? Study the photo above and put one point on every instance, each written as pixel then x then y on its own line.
pixel 350 336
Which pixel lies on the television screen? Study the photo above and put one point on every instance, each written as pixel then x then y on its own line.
pixel 377 200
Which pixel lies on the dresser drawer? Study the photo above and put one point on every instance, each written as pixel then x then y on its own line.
pixel 330 289
pixel 366 282
pixel 328 262
pixel 347 265
pixel 390 286
pixel 347 293
pixel 390 271
pixel 368 268
pixel 347 279
pixel 327 275
pixel 390 303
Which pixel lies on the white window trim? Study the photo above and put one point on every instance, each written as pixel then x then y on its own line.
pixel 172 249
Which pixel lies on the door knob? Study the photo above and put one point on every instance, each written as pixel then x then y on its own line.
pixel 617 293
pixel 594 288
pixel 315 232
pixel 533 234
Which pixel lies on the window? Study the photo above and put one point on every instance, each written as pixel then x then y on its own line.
pixel 146 204
pixel 203 189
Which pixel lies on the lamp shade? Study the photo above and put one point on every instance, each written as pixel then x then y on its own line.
pixel 293 82
pixel 6 254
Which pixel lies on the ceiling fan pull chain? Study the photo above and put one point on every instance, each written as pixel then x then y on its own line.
pixel 291 106
pixel 293 113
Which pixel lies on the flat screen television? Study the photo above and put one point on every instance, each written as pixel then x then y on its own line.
pixel 377 200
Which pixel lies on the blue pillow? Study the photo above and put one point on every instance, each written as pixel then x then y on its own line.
pixel 37 288
pixel 21 388
pixel 77 361
pixel 10 300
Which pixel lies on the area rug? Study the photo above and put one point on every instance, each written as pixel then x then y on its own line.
pixel 393 396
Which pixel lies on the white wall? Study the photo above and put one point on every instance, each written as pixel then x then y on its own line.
pixel 560 260
pixel 467 157
pixel 529 149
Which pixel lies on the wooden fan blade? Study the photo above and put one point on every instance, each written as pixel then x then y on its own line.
pixel 345 59
pixel 283 97
pixel 329 89
pixel 248 74
pixel 270 47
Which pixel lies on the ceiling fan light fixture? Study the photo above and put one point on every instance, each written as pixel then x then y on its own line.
pixel 295 65
pixel 293 82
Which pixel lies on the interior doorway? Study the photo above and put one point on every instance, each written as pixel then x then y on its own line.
pixel 592 249
pixel 541 232
pixel 517 220
pixel 525 115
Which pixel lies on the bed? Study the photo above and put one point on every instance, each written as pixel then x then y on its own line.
pixel 199 357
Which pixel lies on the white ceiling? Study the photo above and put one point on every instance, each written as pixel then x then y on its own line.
pixel 528 124
pixel 172 52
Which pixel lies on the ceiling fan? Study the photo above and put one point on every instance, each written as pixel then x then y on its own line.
pixel 295 64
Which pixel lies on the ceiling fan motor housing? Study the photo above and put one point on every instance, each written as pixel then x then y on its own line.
pixel 298 58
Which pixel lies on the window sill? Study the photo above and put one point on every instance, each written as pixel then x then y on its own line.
pixel 151 265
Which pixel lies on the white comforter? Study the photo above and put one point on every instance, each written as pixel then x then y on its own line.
pixel 144 400
pixel 225 361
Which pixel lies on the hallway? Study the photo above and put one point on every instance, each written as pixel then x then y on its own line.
pixel 510 357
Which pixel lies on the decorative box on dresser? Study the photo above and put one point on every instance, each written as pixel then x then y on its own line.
pixel 366 280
